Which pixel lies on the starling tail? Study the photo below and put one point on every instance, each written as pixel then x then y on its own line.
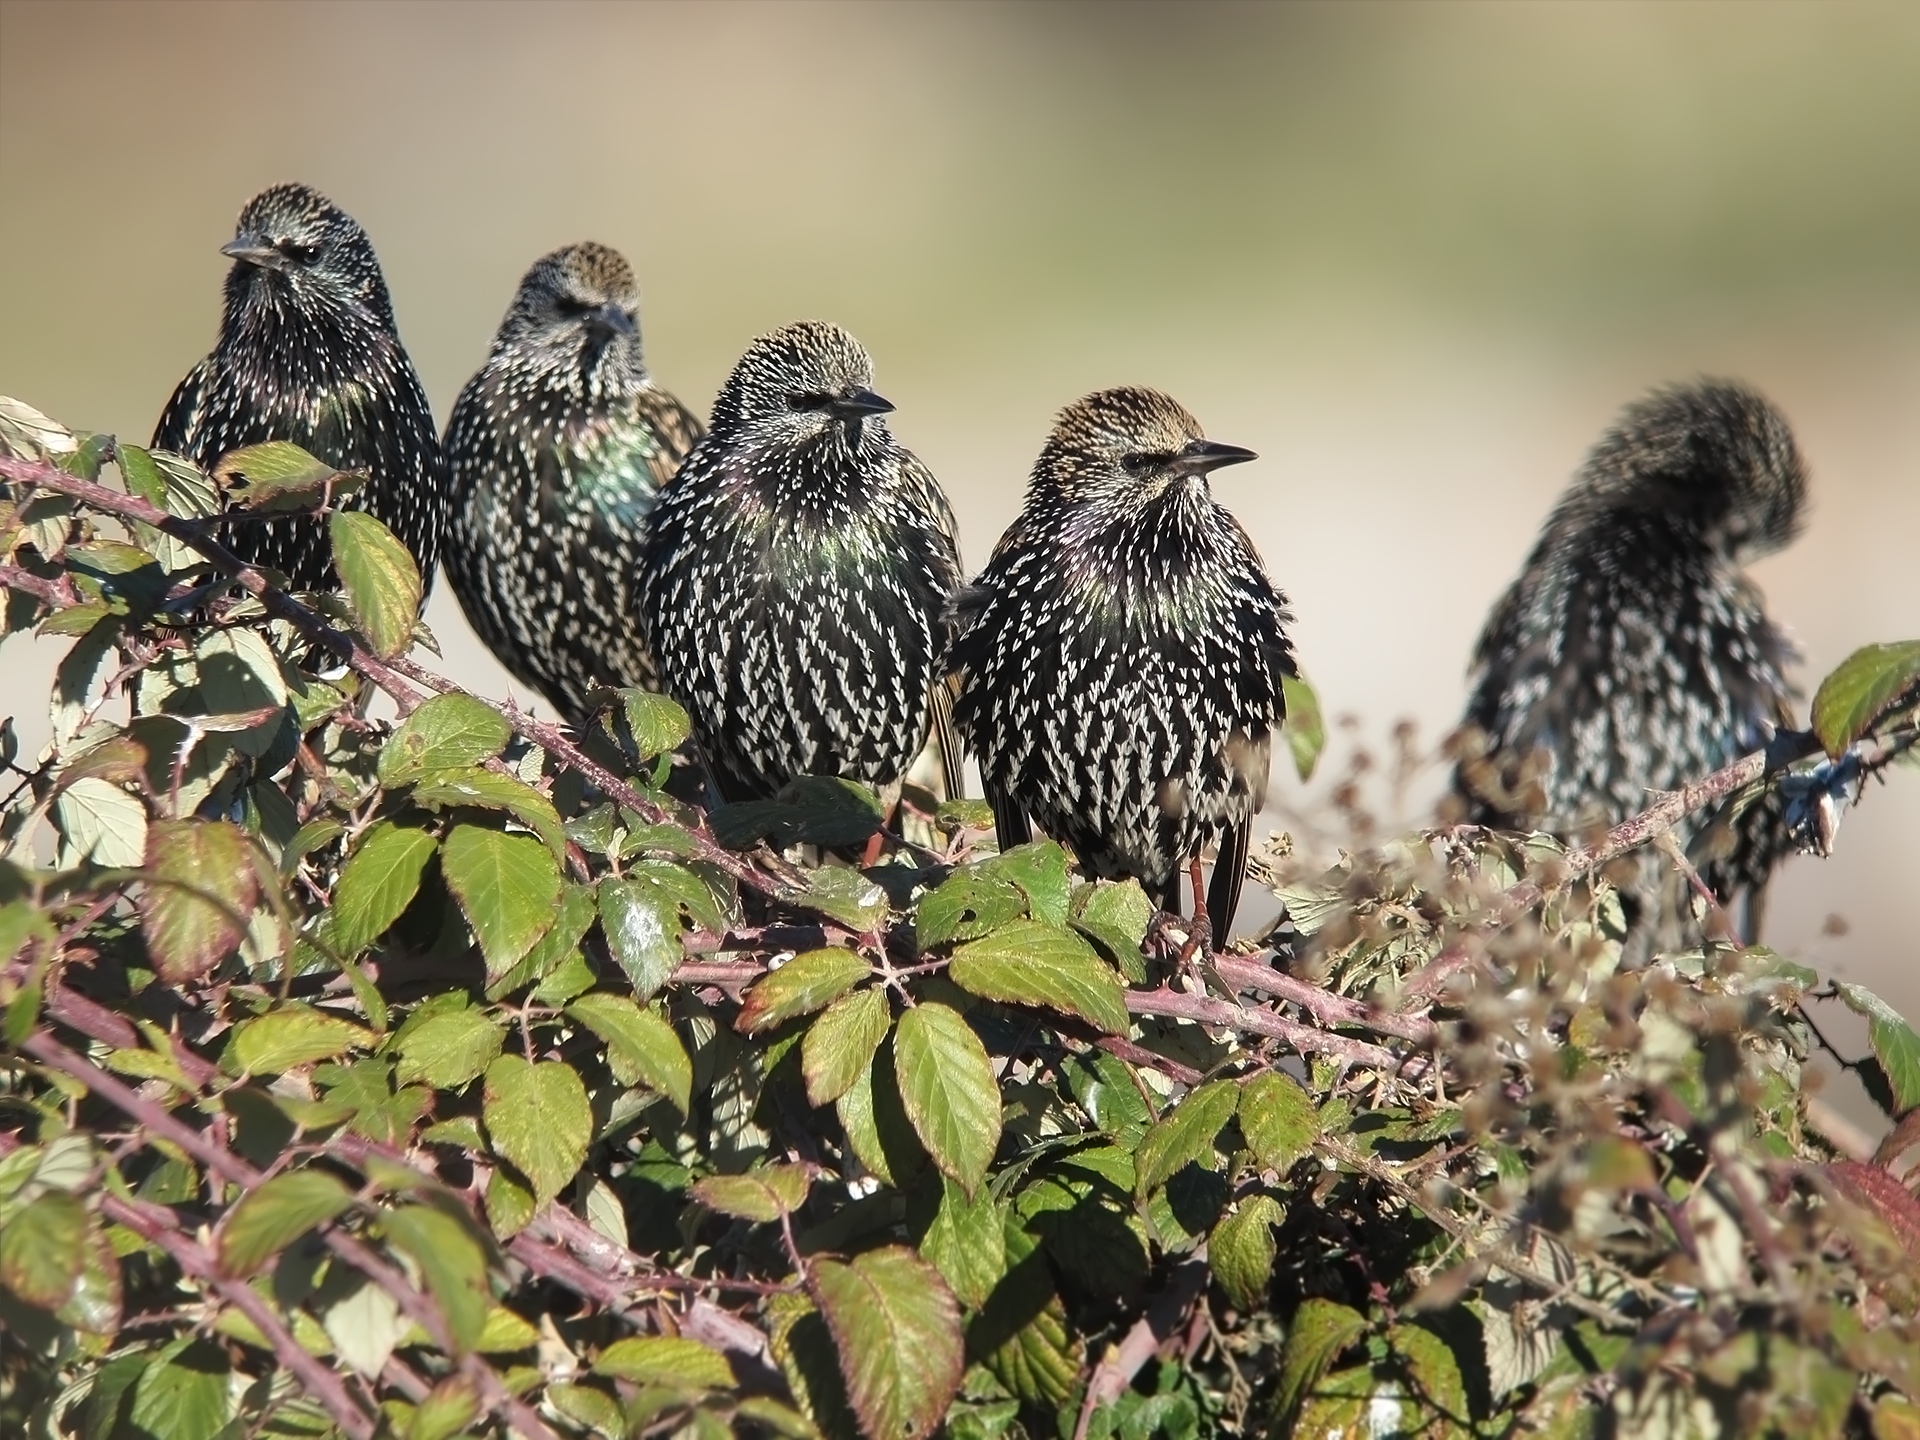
pixel 1120 659
pixel 308 353
pixel 796 574
pixel 557 449
pixel 1633 656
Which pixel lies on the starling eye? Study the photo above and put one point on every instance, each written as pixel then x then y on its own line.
pixel 1139 462
pixel 299 252
pixel 804 401
pixel 571 306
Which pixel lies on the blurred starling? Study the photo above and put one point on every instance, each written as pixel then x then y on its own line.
pixel 1633 656
pixel 308 353
pixel 557 448
pixel 796 576
pixel 1120 659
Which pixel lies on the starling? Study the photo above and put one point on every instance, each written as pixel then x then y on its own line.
pixel 308 353
pixel 1633 656
pixel 557 448
pixel 1120 659
pixel 796 575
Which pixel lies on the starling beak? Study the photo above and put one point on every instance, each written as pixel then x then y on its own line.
pixel 798 568
pixel 255 251
pixel 308 352
pixel 1203 457
pixel 1632 655
pixel 1120 659
pixel 558 447
pixel 856 405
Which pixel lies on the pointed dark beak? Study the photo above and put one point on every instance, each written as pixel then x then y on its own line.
pixel 254 250
pixel 1203 457
pixel 858 404
pixel 611 319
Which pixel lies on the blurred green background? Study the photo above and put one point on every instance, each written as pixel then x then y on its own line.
pixel 1416 255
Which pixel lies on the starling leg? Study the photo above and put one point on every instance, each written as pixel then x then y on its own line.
pixel 1200 937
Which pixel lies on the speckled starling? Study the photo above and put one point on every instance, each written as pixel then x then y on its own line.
pixel 308 353
pixel 1633 656
pixel 557 448
pixel 797 572
pixel 1120 659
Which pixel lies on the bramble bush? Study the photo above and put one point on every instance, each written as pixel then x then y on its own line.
pixel 450 1076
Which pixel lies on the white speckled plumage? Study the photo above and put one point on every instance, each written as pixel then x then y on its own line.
pixel 557 449
pixel 308 352
pixel 1120 659
pixel 796 574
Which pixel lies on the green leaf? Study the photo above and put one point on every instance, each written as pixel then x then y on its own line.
pixel 838 1047
pixel 449 1408
pixel 876 1124
pixel 1321 1330
pixel 640 1046
pixel 538 1118
pixel 844 896
pixel 640 914
pixel 508 886
pixel 1306 732
pixel 453 1263
pixel 279 475
pixel 761 1195
pixel 290 1036
pixel 241 691
pixel 1441 1392
pixel 96 1304
pixel 1040 870
pixel 801 986
pixel 949 1091
pixel 1120 908
pixel 448 732
pixel 896 1328
pixel 1241 1250
pixel 967 1241
pixel 1894 1044
pixel 665 1360
pixel 490 790
pixel 199 894
pixel 449 1047
pixel 552 950
pixel 184 1394
pixel 177 486
pixel 1278 1120
pixel 965 906
pixel 1028 963
pixel 1860 690
pixel 658 724
pixel 272 1216
pixel 377 884
pixel 102 823
pixel 1185 1135
pixel 365 1325
pixel 43 1249
pixel 381 580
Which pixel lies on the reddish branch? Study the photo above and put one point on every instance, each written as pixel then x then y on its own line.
pixel 158 1121
pixel 158 1227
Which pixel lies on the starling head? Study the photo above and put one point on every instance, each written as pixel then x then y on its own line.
pixel 1128 447
pixel 1714 456
pixel 294 249
pixel 801 387
pixel 577 313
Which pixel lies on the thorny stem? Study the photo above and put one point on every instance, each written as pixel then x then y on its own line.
pixel 157 1227
pixel 230 1167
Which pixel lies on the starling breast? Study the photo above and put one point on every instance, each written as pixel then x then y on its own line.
pixel 308 352
pixel 1633 655
pixel 796 574
pixel 1120 660
pixel 557 449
